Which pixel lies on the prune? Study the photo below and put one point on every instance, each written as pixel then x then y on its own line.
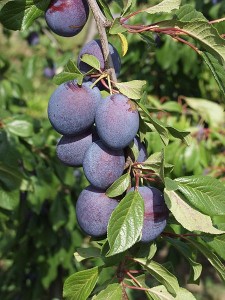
pixel 67 18
pixel 94 48
pixel 93 210
pixel 71 149
pixel 117 121
pixel 72 108
pixel 102 165
pixel 142 150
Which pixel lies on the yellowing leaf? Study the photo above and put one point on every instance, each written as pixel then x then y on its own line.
pixel 124 43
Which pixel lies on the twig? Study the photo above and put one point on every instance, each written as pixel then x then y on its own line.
pixel 102 23
pixel 134 279
pixel 217 21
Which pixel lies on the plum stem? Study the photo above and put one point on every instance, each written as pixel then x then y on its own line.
pixel 98 79
pixel 102 23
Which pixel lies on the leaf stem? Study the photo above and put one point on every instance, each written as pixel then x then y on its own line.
pixel 217 20
pixel 133 278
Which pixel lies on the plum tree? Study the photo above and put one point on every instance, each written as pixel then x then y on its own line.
pixel 117 121
pixel 142 150
pixel 71 149
pixel 102 165
pixel 155 215
pixel 93 210
pixel 67 18
pixel 72 108
pixel 94 48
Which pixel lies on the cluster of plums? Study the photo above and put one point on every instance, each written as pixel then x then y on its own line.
pixel 96 132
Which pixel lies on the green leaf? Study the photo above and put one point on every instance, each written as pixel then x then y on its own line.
pixel 155 162
pixel 131 89
pixel 203 33
pixel 91 60
pixel 9 200
pixel 20 14
pixel 216 243
pixel 191 156
pixel 188 14
pixel 170 184
pixel 84 253
pixel 210 256
pixel 134 151
pixel 184 294
pixel 119 186
pixel 127 6
pixel 58 214
pixel 159 126
pixel 71 67
pixel 3 2
pixel 178 134
pixel 146 250
pixel 10 176
pixel 21 128
pixel 171 106
pixel 159 293
pixel 110 260
pixel 217 70
pixel 187 216
pixel 161 129
pixel 165 6
pixel 125 224
pixel 112 292
pixel 66 76
pixel 203 192
pixel 186 252
pixel 105 7
pixel 207 110
pixel 161 274
pixel 148 38
pixel 117 27
pixel 80 285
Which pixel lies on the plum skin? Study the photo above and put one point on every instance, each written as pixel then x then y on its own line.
pixel 117 121
pixel 102 165
pixel 155 215
pixel 71 149
pixel 67 17
pixel 142 150
pixel 93 210
pixel 94 48
pixel 72 108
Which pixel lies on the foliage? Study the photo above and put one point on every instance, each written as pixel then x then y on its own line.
pixel 172 80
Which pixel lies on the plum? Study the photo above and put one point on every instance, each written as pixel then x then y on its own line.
pixel 93 210
pixel 102 165
pixel 117 121
pixel 67 17
pixel 71 149
pixel 33 38
pixel 155 215
pixel 142 150
pixel 72 108
pixel 94 48
pixel 49 72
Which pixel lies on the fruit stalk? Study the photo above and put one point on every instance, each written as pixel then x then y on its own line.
pixel 102 23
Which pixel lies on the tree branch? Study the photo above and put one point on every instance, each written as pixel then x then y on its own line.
pixel 102 23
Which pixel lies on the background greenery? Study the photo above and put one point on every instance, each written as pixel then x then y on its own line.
pixel 38 229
